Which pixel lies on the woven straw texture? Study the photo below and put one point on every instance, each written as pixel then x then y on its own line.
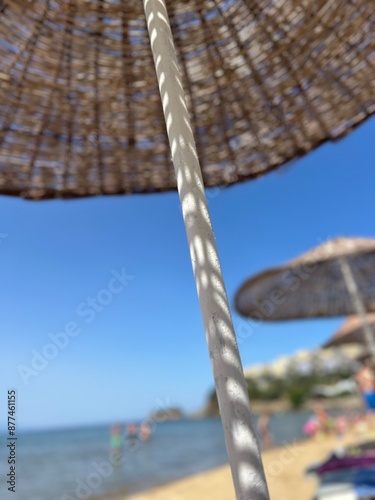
pixel 313 284
pixel 351 331
pixel 266 82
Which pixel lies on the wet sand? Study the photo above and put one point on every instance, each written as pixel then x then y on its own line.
pixel 284 466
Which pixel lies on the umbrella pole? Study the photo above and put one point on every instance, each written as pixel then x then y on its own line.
pixel 352 288
pixel 239 429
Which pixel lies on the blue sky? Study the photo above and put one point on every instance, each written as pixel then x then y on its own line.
pixel 146 348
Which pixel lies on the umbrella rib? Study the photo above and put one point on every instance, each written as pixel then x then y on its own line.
pixel 13 107
pixel 370 51
pixel 47 116
pixel 245 112
pixel 327 74
pixel 348 91
pixel 30 41
pixel 69 39
pixel 128 74
pixel 219 89
pixel 115 129
pixel 275 109
pixel 255 12
pixel 338 81
pixel 359 11
pixel 98 37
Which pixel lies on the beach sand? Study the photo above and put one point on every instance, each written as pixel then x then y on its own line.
pixel 284 466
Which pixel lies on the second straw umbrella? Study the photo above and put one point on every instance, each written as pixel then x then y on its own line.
pixel 336 278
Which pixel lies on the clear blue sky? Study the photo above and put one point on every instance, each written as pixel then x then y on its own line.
pixel 147 347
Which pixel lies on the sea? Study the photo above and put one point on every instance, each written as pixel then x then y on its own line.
pixel 75 463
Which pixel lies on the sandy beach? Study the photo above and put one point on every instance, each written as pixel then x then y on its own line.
pixel 284 466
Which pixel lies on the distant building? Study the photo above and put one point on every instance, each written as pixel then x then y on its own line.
pixel 322 361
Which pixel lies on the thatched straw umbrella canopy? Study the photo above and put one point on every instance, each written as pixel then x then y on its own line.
pixel 351 332
pixel 260 84
pixel 80 111
pixel 313 284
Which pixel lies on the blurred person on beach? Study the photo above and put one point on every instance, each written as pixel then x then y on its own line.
pixel 116 443
pixel 132 437
pixel 310 428
pixel 365 380
pixel 323 420
pixel 131 430
pixel 318 424
pixel 145 431
pixel 341 426
pixel 264 430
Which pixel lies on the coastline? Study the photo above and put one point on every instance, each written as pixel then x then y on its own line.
pixel 284 467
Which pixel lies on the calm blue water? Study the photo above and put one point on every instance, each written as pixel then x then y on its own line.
pixel 73 464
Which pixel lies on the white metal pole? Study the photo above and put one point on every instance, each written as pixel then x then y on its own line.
pixel 239 429
pixel 352 288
